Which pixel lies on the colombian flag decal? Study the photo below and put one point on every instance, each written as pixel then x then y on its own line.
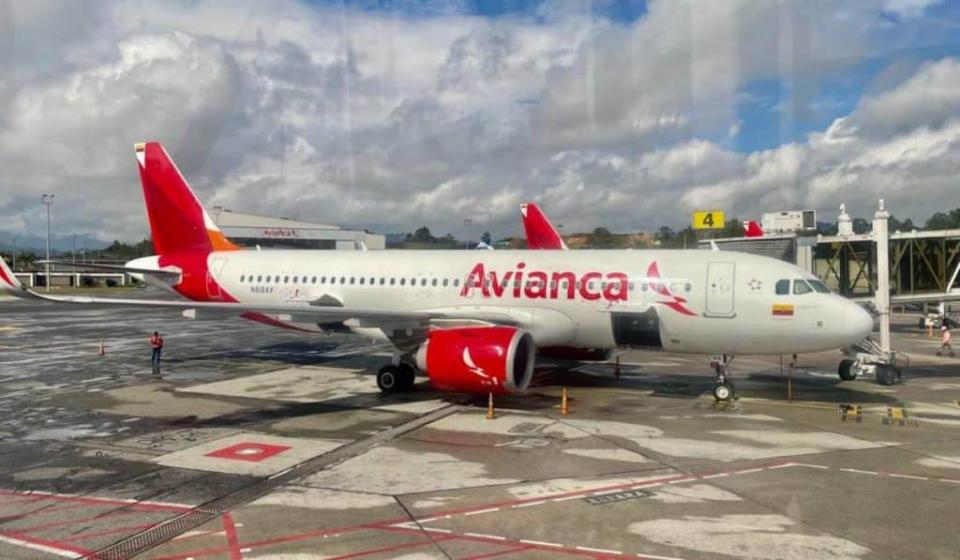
pixel 782 310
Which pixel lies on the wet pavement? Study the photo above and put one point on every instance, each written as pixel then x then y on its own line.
pixel 262 443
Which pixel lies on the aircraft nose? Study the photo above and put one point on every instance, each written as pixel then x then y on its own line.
pixel 857 323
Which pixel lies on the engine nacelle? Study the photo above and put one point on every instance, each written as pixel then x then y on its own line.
pixel 495 360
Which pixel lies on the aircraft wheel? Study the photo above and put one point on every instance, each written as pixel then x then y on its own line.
pixel 407 375
pixel 846 370
pixel 723 392
pixel 389 379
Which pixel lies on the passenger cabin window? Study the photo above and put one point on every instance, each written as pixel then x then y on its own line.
pixel 783 287
pixel 801 287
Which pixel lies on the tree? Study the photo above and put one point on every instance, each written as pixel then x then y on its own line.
pixel 664 234
pixel 421 235
pixel 601 238
pixel 944 220
pixel 487 238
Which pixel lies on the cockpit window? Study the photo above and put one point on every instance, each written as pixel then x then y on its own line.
pixel 801 287
pixel 819 286
pixel 783 287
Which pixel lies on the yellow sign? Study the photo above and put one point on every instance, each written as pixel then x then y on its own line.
pixel 708 219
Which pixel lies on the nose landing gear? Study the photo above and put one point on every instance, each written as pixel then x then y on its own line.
pixel 723 389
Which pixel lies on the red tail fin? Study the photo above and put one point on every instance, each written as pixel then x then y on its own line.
pixel 178 222
pixel 539 231
pixel 752 229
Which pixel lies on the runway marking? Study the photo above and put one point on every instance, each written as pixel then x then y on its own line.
pixel 530 504
pixel 910 476
pixel 489 510
pixel 598 550
pixel 859 471
pixel 483 536
pixel 540 543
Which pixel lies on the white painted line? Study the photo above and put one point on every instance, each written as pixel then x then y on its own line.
pixel 479 511
pixel 541 543
pixel 858 471
pixel 281 473
pixel 599 550
pixel 718 475
pixel 949 480
pixel 909 476
pixel 783 466
pixel 482 536
pixel 679 480
pixel 436 530
pixel 40 547
pixel 655 557
pixel 427 519
pixel 567 499
pixel 245 550
pixel 748 471
pixel 528 504
pixel 811 466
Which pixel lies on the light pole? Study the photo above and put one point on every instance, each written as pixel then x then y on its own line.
pixel 14 253
pixel 466 224
pixel 47 200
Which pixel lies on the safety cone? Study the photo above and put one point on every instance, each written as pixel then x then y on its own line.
pixel 564 407
pixel 103 349
pixel 491 415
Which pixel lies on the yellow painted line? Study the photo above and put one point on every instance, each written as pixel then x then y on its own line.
pixel 8 328
pixel 895 412
pixel 957 403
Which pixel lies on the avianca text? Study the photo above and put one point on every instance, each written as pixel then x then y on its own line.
pixel 537 284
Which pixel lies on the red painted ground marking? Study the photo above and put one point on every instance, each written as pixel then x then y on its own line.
pixel 390 548
pixel 98 517
pixel 43 542
pixel 516 543
pixel 495 554
pixel 248 451
pixel 385 525
pixel 6 503
pixel 230 530
pixel 85 536
pixel 146 506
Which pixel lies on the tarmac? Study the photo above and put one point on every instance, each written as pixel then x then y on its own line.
pixel 260 443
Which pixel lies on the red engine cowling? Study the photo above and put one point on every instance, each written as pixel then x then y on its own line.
pixel 495 360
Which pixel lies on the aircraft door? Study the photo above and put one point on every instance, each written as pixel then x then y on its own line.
pixel 720 292
pixel 213 272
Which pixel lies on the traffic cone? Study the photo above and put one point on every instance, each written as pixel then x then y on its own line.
pixel 103 349
pixel 564 407
pixel 491 415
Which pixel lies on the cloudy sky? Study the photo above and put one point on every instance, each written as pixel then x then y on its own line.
pixel 390 115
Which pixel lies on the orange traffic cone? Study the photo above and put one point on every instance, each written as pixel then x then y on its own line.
pixel 103 349
pixel 564 407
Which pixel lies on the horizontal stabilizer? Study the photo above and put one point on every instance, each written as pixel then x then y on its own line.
pixel 8 281
pixel 118 268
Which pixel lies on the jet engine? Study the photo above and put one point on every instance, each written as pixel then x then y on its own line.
pixel 495 360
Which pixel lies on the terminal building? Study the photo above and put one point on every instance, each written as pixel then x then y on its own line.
pixel 265 232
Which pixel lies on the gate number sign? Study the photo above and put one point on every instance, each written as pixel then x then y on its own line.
pixel 708 219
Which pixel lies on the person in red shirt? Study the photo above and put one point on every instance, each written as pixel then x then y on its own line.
pixel 945 341
pixel 156 343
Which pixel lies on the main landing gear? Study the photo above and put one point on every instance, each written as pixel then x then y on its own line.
pixel 723 387
pixel 396 378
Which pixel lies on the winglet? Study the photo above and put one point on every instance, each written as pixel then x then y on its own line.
pixel 539 231
pixel 752 229
pixel 9 282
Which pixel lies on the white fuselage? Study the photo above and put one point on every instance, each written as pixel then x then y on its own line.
pixel 700 301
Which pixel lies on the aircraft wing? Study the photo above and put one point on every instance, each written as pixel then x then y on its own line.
pixel 118 268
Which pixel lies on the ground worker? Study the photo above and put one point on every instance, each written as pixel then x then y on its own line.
pixel 945 341
pixel 156 343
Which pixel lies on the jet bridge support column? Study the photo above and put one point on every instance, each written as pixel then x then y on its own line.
pixel 882 237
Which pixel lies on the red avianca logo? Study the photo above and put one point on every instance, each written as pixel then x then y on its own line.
pixel 660 287
pixel 536 284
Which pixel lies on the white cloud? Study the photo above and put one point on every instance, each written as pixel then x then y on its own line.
pixel 390 121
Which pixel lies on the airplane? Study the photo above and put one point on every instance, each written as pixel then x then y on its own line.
pixel 472 321
pixel 537 228
pixel 752 229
